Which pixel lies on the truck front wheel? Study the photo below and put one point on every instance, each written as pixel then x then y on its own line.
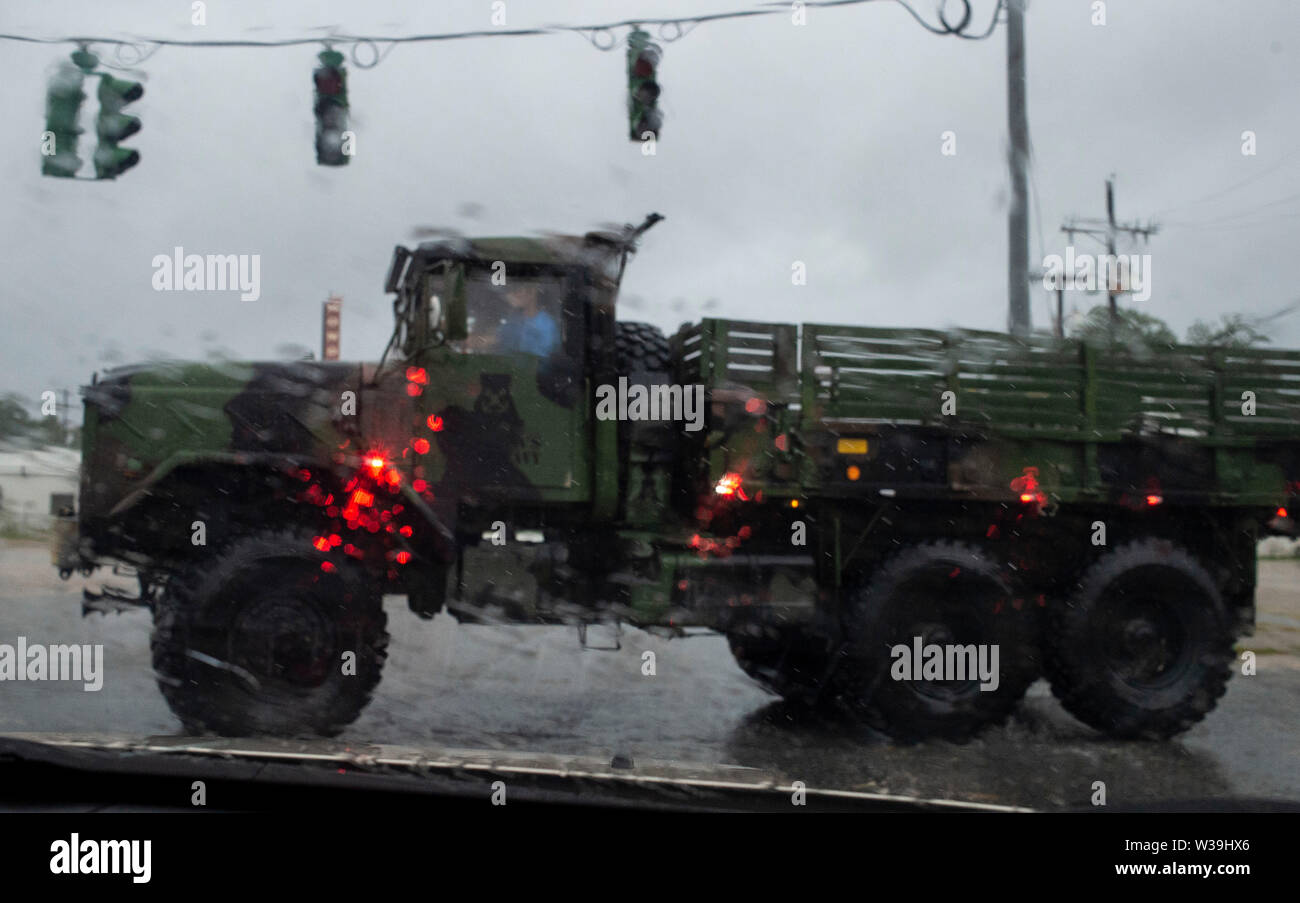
pixel 270 637
pixel 1144 646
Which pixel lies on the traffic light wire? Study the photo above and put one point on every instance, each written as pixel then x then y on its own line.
pixel 959 28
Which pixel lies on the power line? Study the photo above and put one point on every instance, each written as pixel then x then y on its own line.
pixel 1266 221
pixel 1246 181
pixel 1243 214
pixel 1283 311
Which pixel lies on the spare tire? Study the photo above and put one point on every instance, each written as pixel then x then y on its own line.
pixel 643 357
pixel 640 346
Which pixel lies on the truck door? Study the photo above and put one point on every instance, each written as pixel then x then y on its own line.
pixel 510 413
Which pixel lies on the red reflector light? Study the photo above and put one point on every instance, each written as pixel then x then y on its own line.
pixel 1281 512
pixel 321 543
pixel 421 446
pixel 417 375
pixel 403 557
pixel 728 485
pixel 362 498
pixel 1027 486
pixel 435 423
pixel 1154 500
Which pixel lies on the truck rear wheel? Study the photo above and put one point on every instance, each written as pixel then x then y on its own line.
pixel 1144 646
pixel 256 641
pixel 946 595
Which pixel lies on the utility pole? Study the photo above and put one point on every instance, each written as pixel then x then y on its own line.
pixel 1018 159
pixel 1108 229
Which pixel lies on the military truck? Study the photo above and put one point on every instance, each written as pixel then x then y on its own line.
pixel 832 499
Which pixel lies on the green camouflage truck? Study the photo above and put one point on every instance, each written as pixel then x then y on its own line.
pixel 870 516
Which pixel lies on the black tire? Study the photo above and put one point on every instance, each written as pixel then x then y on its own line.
pixel 252 643
pixel 643 356
pixel 947 593
pixel 640 346
pixel 1144 647
pixel 789 665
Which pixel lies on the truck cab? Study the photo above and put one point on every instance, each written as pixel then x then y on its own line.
pixel 500 343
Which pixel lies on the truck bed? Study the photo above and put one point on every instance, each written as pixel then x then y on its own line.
pixel 1094 422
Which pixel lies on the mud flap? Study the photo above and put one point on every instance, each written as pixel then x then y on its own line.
pixel 444 542
pixel 64 546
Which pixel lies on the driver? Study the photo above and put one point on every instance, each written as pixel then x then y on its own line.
pixel 528 328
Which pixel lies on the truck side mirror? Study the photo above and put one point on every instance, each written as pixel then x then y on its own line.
pixel 457 325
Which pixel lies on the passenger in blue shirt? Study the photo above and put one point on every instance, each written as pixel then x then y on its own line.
pixel 529 329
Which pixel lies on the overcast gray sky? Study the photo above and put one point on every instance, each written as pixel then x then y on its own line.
pixel 818 143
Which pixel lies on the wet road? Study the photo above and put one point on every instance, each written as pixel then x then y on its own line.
pixel 534 689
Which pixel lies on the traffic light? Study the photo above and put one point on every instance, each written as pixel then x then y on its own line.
pixel 62 110
pixel 331 109
pixel 642 86
pixel 113 126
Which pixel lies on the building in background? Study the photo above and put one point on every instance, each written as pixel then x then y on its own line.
pixel 35 484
